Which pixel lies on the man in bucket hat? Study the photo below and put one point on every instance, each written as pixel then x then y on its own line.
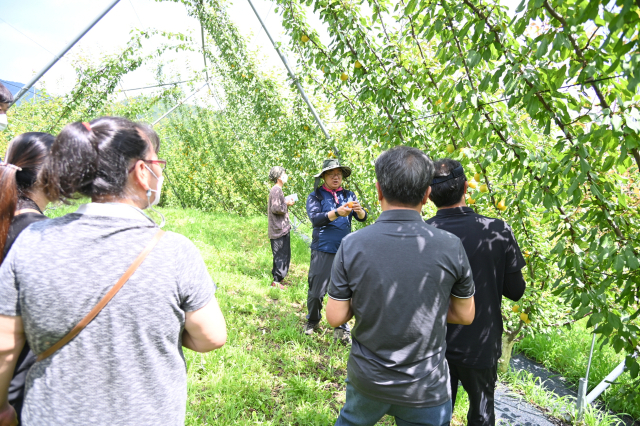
pixel 330 209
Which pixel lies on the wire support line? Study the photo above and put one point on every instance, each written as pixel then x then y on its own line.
pixel 20 87
pixel 27 37
pixel 515 97
pixel 158 85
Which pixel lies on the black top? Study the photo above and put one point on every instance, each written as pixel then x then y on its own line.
pixel 493 254
pixel 26 358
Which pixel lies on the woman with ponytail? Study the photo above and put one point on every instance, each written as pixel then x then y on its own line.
pixel 106 301
pixel 22 201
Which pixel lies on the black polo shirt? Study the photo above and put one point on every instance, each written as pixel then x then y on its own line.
pixel 399 274
pixel 493 252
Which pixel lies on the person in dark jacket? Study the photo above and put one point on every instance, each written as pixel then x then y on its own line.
pixel 330 209
pixel 496 262
pixel 21 204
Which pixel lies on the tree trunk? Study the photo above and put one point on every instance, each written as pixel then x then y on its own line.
pixel 508 340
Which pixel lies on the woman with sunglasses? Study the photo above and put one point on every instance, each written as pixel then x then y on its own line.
pixel 126 366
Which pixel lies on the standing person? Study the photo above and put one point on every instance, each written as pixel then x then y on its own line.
pixel 126 367
pixel 403 280
pixel 496 261
pixel 279 226
pixel 21 204
pixel 330 209
pixel 6 99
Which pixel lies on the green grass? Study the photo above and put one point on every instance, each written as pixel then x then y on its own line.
pixel 269 373
pixel 566 350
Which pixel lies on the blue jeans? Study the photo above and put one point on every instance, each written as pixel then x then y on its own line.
pixel 360 410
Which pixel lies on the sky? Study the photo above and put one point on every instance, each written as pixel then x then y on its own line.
pixel 32 32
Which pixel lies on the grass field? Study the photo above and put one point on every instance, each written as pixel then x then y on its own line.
pixel 269 373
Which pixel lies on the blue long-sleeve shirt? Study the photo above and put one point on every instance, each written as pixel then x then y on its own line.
pixel 327 235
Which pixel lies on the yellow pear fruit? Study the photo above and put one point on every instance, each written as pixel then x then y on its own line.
pixel 472 184
pixel 450 148
pixel 501 206
pixel 344 77
pixel 524 317
pixel 471 201
pixel 306 127
pixel 484 188
pixel 357 64
pixel 515 308
pixel 304 38
pixel 477 177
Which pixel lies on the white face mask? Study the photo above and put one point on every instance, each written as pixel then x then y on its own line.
pixel 3 122
pixel 156 198
pixel 284 178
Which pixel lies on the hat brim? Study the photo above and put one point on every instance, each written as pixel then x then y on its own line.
pixel 346 171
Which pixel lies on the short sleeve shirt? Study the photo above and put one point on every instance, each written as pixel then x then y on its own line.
pixel 493 252
pixel 399 274
pixel 126 367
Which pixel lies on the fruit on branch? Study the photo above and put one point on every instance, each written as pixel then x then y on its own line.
pixel 515 308
pixel 450 148
pixel 501 206
pixel 357 64
pixel 484 188
pixel 306 127
pixel 471 201
pixel 477 177
pixel 472 184
pixel 304 38
pixel 524 317
pixel 344 77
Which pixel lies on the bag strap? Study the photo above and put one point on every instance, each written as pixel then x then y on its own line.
pixel 103 302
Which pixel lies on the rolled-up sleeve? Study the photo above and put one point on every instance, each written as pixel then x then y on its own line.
pixel 314 211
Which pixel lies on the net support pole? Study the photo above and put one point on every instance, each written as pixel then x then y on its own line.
pixel 291 73
pixel 56 58
pixel 302 93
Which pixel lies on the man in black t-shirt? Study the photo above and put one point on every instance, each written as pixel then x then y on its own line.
pixel 496 261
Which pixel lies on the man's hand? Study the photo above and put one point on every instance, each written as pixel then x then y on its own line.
pixel 289 202
pixel 343 211
pixel 8 415
pixel 358 210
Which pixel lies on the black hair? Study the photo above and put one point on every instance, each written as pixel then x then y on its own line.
pixel 18 174
pixel 404 175
pixel 5 95
pixel 93 159
pixel 450 192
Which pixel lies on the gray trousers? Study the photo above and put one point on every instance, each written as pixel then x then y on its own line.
pixel 319 279
pixel 281 249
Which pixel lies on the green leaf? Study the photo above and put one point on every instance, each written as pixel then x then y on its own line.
pixel 521 6
pixel 541 50
pixel 616 122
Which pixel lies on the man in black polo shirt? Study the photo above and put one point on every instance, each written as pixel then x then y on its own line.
pixel 403 280
pixel 496 261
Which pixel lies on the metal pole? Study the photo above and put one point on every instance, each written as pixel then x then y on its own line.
pixel 593 341
pixel 605 383
pixel 303 94
pixel 293 76
pixel 582 396
pixel 37 77
pixel 178 104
